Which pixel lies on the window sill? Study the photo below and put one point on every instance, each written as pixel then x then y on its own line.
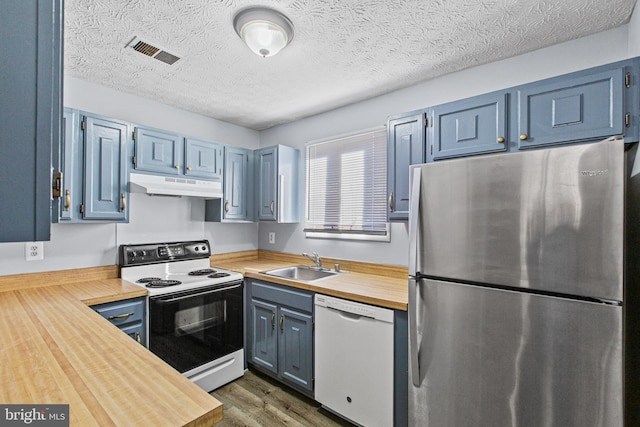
pixel 350 236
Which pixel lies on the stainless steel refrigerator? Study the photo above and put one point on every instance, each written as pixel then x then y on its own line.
pixel 523 283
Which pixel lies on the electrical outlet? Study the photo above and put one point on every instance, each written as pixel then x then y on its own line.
pixel 272 237
pixel 34 251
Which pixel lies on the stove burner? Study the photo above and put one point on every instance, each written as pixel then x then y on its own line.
pixel 162 283
pixel 202 272
pixel 147 279
pixel 218 275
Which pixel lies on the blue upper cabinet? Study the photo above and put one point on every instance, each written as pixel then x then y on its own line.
pixel 405 147
pixel 203 159
pixel 267 160
pixel 158 151
pixel 106 169
pixel 67 170
pixel 30 115
pixel 238 174
pixel 277 184
pixel 470 126
pixel 577 107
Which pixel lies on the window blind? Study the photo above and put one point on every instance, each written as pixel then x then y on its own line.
pixel 347 184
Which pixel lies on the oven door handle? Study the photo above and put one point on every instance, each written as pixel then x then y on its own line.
pixel 160 300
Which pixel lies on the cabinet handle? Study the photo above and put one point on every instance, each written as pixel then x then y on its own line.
pixel 177 166
pixel 57 184
pixel 271 205
pixel 124 202
pixel 282 322
pixel 523 136
pixel 500 140
pixel 391 201
pixel 273 320
pixel 226 206
pixel 121 316
pixel 188 168
pixel 138 338
pixel 67 200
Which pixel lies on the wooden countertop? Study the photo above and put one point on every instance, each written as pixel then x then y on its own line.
pixel 376 284
pixel 54 349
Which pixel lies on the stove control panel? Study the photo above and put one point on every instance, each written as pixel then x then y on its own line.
pixel 152 253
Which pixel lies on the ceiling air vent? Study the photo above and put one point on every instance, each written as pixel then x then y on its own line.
pixel 152 51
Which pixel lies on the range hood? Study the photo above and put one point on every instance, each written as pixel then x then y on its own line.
pixel 174 186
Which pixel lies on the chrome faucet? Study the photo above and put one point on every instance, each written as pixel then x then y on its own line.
pixel 315 258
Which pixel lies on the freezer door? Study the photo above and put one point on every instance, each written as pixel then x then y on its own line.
pixel 549 220
pixel 489 357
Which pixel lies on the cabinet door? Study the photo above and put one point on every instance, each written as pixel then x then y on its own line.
pixel 236 174
pixel 136 332
pixel 30 116
pixel 296 348
pixel 158 151
pixel 67 163
pixel 405 146
pixel 105 164
pixel 472 126
pixel 267 181
pixel 264 337
pixel 203 159
pixel 573 109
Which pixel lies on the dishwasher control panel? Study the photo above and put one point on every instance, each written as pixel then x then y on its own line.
pixel 354 308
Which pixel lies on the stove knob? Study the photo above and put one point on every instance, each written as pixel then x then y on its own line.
pixel 204 248
pixel 143 253
pixel 197 249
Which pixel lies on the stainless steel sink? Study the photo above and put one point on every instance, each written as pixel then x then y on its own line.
pixel 302 273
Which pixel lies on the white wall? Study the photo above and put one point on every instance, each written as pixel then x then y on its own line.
pixel 602 48
pixel 152 219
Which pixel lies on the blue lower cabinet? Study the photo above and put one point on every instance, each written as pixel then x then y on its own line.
pixel 572 109
pixel 295 348
pixel 264 340
pixel 128 315
pixel 280 333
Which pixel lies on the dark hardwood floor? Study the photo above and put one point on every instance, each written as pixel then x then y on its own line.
pixel 256 400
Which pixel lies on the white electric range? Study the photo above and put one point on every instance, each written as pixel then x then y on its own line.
pixel 194 312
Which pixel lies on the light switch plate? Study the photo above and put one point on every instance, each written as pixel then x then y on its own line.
pixel 34 251
pixel 272 237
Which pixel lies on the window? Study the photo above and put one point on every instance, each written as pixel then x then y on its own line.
pixel 347 187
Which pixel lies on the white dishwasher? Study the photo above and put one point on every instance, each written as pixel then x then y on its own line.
pixel 354 360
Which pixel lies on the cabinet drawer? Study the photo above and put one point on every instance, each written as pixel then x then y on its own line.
pixel 122 312
pixel 135 331
pixel 283 295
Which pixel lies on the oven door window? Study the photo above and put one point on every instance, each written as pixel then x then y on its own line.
pixel 191 328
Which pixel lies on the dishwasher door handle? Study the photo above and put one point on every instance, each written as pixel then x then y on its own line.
pixel 349 315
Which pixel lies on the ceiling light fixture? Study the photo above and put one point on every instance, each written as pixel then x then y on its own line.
pixel 264 30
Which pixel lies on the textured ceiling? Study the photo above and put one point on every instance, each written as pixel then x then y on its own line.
pixel 343 51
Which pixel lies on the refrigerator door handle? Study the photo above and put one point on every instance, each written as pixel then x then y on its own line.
pixel 414 360
pixel 414 220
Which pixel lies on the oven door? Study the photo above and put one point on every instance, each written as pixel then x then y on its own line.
pixel 190 328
